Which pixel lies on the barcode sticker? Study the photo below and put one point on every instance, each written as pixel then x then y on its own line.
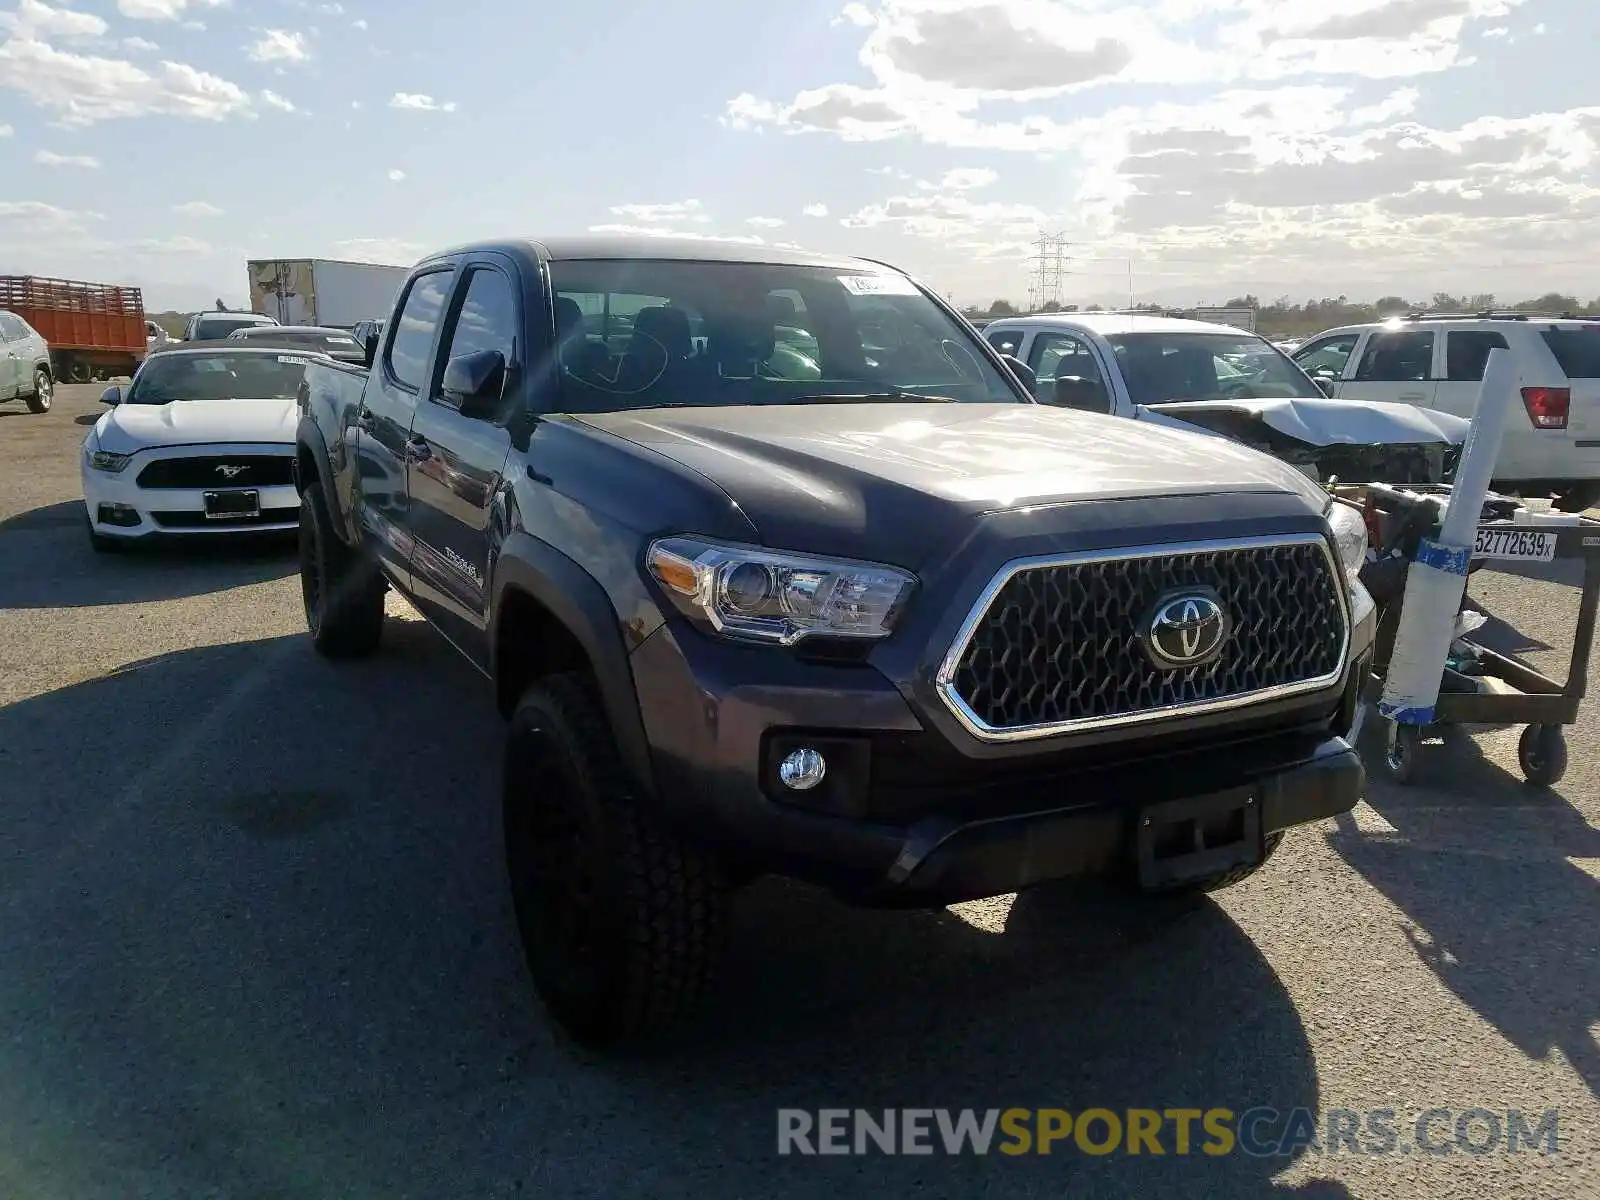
pixel 878 285
pixel 290 358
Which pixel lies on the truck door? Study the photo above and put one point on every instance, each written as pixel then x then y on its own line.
pixel 455 469
pixel 383 422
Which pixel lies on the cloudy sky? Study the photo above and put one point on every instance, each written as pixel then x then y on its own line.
pixel 1188 149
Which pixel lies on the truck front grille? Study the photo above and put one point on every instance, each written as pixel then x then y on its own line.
pixel 229 470
pixel 1063 644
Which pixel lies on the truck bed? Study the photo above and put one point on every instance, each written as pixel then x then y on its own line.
pixel 73 315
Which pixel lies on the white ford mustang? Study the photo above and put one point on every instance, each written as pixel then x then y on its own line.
pixel 202 442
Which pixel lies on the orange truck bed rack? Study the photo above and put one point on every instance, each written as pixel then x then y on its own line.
pixel 94 329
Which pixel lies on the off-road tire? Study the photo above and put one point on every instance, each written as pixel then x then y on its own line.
pixel 43 392
pixel 342 592
pixel 622 921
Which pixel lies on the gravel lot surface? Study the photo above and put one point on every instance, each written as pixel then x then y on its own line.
pixel 254 941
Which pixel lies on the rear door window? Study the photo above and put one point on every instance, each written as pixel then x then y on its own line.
pixel 1005 340
pixel 1055 355
pixel 1466 353
pixel 1576 349
pixel 1405 357
pixel 11 328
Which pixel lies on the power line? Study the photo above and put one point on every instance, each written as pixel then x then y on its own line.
pixel 1050 269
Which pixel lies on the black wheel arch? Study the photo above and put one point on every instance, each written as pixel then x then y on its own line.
pixel 312 464
pixel 574 604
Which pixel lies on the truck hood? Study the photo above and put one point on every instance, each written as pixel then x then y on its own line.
pixel 1328 422
pixel 863 476
pixel 131 427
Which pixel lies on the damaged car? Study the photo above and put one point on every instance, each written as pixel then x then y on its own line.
pixel 1228 382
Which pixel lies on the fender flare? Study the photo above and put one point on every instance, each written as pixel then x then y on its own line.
pixel 308 436
pixel 577 600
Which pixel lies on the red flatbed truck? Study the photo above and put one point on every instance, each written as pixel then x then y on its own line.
pixel 95 330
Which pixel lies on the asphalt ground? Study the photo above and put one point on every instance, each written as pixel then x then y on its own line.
pixel 255 942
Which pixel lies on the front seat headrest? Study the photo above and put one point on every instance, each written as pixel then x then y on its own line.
pixel 668 327
pixel 1087 395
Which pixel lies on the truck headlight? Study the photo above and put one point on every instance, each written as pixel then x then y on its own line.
pixel 1349 525
pixel 769 596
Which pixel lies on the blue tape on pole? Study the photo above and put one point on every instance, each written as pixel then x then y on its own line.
pixel 1402 714
pixel 1453 560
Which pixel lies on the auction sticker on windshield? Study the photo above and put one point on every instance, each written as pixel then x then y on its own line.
pixel 878 285
pixel 1524 545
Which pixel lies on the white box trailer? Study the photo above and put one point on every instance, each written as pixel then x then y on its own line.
pixel 323 291
pixel 1239 318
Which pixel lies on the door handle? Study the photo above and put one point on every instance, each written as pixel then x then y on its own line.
pixel 417 449
pixel 364 420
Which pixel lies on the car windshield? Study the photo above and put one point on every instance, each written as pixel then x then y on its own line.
pixel 214 329
pixel 1164 368
pixel 641 333
pixel 244 376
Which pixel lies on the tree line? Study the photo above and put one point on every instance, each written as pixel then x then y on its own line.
pixel 1284 318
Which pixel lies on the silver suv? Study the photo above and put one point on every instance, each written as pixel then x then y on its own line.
pixel 25 370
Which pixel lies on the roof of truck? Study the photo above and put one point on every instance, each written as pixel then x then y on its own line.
pixel 687 249
pixel 1112 323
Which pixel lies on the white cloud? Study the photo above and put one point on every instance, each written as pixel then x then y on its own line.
pixel 33 19
pixel 197 208
pixel 272 100
pixel 680 210
pixel 815 210
pixel 279 45
pixel 139 44
pixel 6 131
pixel 379 250
pixel 766 222
pixel 359 23
pixel 49 158
pixel 748 239
pixel 396 175
pixel 86 88
pixel 420 103
pixel 163 10
pixel 964 179
pixel 178 245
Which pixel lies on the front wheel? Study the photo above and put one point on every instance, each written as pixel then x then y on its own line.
pixel 621 920
pixel 44 390
pixel 342 592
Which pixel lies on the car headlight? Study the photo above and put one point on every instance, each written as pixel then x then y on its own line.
pixel 769 596
pixel 105 460
pixel 1349 525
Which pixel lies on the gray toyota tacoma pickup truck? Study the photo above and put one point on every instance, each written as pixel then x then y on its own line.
pixel 777 568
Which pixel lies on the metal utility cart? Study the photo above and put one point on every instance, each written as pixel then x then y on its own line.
pixel 1479 686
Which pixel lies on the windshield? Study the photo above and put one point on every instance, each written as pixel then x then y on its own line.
pixel 245 376
pixel 641 333
pixel 1163 368
pixel 214 329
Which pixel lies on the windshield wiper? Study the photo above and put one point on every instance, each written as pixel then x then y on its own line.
pixel 898 394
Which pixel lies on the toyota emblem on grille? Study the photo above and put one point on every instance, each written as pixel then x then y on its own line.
pixel 1186 630
pixel 230 471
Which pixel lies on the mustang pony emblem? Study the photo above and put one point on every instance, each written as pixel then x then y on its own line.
pixel 230 471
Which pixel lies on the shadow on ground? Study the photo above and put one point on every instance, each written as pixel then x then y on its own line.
pixel 46 562
pixel 265 944
pixel 1479 863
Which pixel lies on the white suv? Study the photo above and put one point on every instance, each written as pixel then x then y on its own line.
pixel 1436 361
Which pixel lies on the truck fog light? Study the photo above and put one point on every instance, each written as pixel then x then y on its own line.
pixel 802 769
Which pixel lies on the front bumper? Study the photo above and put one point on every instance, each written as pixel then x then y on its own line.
pixel 118 507
pixel 906 815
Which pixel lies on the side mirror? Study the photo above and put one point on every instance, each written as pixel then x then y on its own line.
pixel 1326 384
pixel 1022 371
pixel 112 395
pixel 474 382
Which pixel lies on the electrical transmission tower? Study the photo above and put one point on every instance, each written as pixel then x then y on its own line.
pixel 1048 272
